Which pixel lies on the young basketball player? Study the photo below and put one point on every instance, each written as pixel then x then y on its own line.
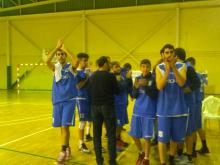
pixel 192 84
pixel 171 107
pixel 198 116
pixel 83 100
pixel 64 93
pixel 144 114
pixel 121 102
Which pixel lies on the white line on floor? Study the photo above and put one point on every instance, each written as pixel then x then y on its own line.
pixel 24 137
pixel 25 118
pixel 24 122
pixel 8 104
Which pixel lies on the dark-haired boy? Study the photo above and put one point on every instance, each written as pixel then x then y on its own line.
pixel 83 101
pixel 144 113
pixel 64 93
pixel 121 102
pixel 171 107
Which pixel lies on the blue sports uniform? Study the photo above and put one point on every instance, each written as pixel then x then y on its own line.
pixel 83 99
pixel 121 101
pixel 171 108
pixel 199 93
pixel 193 83
pixel 144 112
pixel 64 93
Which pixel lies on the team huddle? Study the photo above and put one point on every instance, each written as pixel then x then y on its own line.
pixel 167 104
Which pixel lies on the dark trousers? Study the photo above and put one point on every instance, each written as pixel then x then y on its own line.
pixel 100 114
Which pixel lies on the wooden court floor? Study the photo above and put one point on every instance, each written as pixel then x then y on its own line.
pixel 27 138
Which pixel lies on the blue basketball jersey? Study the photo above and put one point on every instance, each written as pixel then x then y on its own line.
pixel 65 88
pixel 145 105
pixel 122 97
pixel 171 101
pixel 83 93
pixel 200 92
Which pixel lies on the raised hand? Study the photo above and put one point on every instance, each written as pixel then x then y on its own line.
pixel 167 66
pixel 59 44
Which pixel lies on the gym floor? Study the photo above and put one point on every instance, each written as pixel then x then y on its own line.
pixel 28 138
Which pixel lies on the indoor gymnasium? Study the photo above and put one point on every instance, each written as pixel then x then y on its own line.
pixel 126 82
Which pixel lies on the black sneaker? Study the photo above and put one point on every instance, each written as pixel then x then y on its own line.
pixel 88 138
pixel 203 150
pixel 83 148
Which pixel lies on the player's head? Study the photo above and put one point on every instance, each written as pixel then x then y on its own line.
pixel 180 53
pixel 83 60
pixel 116 67
pixel 167 52
pixel 192 61
pixel 61 56
pixel 127 66
pixel 145 66
pixel 104 63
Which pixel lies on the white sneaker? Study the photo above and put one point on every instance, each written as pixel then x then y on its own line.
pixel 61 158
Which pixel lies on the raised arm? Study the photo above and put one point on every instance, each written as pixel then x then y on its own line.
pixel 52 54
pixel 161 80
pixel 180 75
pixel 72 57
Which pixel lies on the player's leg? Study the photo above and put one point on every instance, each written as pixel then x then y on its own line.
pixel 164 135
pixel 201 131
pixel 136 133
pixel 57 122
pixel 68 119
pixel 179 125
pixel 148 132
pixel 82 108
pixel 89 123
pixel 88 128
pixel 123 121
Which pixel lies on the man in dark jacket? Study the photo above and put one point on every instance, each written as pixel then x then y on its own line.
pixel 103 86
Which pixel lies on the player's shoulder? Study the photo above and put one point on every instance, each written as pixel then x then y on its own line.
pixel 181 65
pixel 161 66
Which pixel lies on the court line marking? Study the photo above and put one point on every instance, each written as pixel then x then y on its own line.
pixel 8 104
pixel 23 122
pixel 25 118
pixel 26 136
pixel 36 155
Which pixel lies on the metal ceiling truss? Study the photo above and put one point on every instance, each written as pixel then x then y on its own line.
pixel 9 5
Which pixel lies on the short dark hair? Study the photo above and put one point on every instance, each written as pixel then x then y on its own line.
pixel 180 53
pixel 60 50
pixel 145 61
pixel 102 60
pixel 127 66
pixel 192 60
pixel 82 55
pixel 115 63
pixel 167 46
